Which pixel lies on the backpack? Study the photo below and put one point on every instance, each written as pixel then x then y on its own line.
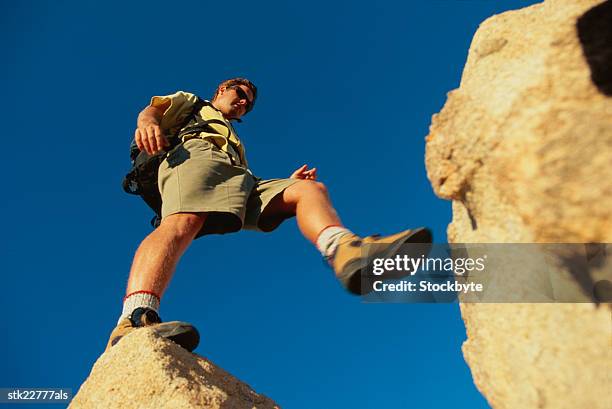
pixel 141 180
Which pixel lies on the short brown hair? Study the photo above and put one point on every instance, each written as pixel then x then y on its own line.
pixel 238 81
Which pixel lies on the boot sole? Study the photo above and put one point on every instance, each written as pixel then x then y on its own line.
pixel 181 333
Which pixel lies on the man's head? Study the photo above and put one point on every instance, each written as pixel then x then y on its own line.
pixel 235 97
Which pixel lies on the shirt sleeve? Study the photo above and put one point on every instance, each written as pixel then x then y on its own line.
pixel 181 104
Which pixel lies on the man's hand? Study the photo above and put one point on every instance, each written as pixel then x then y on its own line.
pixel 149 136
pixel 150 139
pixel 304 173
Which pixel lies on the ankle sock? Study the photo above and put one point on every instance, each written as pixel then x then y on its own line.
pixel 328 240
pixel 137 299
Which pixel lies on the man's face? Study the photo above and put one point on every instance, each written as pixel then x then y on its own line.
pixel 233 101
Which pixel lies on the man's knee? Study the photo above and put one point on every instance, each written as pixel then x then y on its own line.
pixel 307 188
pixel 184 224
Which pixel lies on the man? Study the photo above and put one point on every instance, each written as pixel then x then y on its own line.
pixel 207 187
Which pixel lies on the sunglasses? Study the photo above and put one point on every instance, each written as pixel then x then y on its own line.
pixel 243 95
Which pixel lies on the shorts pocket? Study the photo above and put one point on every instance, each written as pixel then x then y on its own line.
pixel 218 154
pixel 198 145
pixel 207 150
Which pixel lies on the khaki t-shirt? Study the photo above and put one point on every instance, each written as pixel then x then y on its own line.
pixel 181 104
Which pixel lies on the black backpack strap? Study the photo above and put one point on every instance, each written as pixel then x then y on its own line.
pixel 203 126
pixel 194 110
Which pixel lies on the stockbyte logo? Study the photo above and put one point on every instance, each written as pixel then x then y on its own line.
pixel 410 265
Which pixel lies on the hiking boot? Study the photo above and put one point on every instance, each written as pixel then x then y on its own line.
pixel 182 333
pixel 351 264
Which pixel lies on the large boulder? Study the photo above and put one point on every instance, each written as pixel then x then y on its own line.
pixel 523 148
pixel 146 371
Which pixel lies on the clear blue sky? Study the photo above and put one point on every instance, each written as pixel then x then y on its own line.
pixel 348 87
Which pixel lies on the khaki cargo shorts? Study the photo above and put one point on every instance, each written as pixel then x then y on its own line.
pixel 199 177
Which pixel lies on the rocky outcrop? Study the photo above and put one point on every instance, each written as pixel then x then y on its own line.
pixel 146 371
pixel 523 148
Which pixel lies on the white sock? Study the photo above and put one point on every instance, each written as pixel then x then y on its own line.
pixel 139 299
pixel 328 240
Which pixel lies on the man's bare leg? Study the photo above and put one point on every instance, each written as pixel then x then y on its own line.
pixel 159 253
pixel 319 223
pixel 309 202
pixel 152 268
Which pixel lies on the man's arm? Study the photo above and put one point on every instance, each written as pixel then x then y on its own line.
pixel 148 135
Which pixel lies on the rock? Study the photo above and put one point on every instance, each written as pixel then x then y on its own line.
pixel 523 148
pixel 528 124
pixel 146 371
